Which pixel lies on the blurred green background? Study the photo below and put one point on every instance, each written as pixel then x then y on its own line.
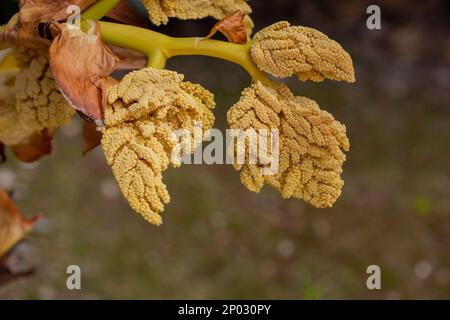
pixel 219 240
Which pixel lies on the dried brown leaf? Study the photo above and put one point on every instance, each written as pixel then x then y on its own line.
pixel 22 28
pixel 91 137
pixel 13 226
pixel 36 11
pixel 232 27
pixel 81 64
pixel 36 146
pixel 124 13
pixel 129 59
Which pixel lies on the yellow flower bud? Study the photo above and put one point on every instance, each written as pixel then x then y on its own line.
pixel 141 116
pixel 39 102
pixel 311 144
pixel 161 10
pixel 12 130
pixel 283 50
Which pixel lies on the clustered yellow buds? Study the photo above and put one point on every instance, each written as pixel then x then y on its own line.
pixel 143 112
pixel 39 102
pixel 161 10
pixel 310 144
pixel 12 130
pixel 34 102
pixel 284 50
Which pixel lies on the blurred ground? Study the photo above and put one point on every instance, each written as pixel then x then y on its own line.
pixel 219 240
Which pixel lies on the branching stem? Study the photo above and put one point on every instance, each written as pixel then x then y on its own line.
pixel 159 47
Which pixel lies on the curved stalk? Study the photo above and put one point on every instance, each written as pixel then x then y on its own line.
pixel 155 44
pixel 99 9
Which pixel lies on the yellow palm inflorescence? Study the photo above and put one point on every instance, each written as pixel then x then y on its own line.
pixel 161 10
pixel 39 102
pixel 31 102
pixel 12 130
pixel 284 50
pixel 142 115
pixel 311 144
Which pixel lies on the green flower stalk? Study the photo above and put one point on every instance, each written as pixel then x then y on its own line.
pixel 159 47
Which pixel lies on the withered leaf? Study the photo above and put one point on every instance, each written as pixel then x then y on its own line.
pixel 13 226
pixel 81 64
pixel 15 33
pixel 35 11
pixel 36 146
pixel 232 27
pixel 124 13
pixel 22 28
pixel 129 59
pixel 91 137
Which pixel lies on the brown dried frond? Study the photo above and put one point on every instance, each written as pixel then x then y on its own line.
pixel 13 226
pixel 21 30
pixel 81 64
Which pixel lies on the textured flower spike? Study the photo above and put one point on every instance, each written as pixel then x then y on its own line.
pixel 39 102
pixel 310 143
pixel 143 112
pixel 33 102
pixel 283 50
pixel 161 10
pixel 12 130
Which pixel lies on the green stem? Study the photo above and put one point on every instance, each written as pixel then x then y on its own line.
pixel 99 9
pixel 159 47
pixel 157 59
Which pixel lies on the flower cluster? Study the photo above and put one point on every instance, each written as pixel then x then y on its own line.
pixel 138 119
pixel 310 146
pixel 39 102
pixel 34 102
pixel 284 50
pixel 142 113
pixel 311 142
pixel 161 10
pixel 12 130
